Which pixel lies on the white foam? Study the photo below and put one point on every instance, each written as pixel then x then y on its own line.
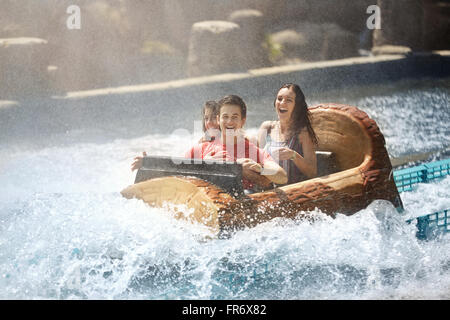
pixel 66 233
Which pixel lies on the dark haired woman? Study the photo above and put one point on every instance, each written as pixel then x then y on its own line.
pixel 291 140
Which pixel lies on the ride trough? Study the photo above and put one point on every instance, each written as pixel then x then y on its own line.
pixel 354 169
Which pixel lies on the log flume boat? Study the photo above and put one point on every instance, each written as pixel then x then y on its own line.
pixel 353 164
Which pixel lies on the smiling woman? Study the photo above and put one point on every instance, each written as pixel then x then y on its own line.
pixel 291 140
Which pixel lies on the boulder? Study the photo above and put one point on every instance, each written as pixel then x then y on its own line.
pixel 213 48
pixel 251 51
pixel 338 43
pixel 304 43
pixel 226 7
pixel 251 22
pixel 314 42
pixel 390 50
pixel 180 15
pixel 23 65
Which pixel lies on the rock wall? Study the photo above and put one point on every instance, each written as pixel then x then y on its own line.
pixel 24 67
pixel 417 25
pixel 313 42
pixel 402 24
pixel 124 42
pixel 437 25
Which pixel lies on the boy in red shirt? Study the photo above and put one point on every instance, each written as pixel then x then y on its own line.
pixel 258 167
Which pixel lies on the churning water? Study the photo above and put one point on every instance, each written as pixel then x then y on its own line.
pixel 66 232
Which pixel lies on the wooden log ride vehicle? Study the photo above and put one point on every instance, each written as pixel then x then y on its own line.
pixel 353 170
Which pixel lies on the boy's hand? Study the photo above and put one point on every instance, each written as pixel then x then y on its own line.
pixel 249 164
pixel 137 163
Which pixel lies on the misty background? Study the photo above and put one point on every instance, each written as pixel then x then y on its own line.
pixel 124 42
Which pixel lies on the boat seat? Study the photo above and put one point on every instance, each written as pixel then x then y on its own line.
pixel 226 175
pixel 326 163
pixel 351 154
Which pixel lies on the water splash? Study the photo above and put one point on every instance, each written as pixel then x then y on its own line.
pixel 66 233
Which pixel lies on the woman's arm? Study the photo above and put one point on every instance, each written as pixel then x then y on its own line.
pixel 274 172
pixel 271 172
pixel 262 133
pixel 255 177
pixel 308 163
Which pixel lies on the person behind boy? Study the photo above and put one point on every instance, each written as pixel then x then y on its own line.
pixel 210 111
pixel 211 129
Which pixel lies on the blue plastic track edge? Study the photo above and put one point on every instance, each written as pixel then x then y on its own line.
pixel 432 225
pixel 406 179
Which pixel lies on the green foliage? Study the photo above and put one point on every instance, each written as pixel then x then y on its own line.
pixel 274 50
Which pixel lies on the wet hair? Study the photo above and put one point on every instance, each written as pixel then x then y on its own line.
pixel 234 100
pixel 301 116
pixel 211 105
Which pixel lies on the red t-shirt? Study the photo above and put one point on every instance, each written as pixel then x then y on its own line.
pixel 242 149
